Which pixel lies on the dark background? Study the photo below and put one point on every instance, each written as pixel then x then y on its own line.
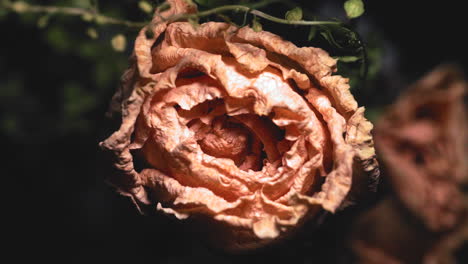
pixel 55 85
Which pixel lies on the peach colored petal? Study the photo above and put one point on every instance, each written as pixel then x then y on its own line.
pixel 182 195
pixel 315 61
pixel 216 115
pixel 366 172
pixel 143 44
pixel 248 56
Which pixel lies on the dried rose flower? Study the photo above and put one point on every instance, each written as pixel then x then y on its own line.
pixel 423 144
pixel 240 126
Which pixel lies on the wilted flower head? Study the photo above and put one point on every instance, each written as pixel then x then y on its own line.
pixel 240 126
pixel 423 144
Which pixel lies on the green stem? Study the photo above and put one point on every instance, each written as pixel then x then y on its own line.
pixel 241 8
pixel 22 7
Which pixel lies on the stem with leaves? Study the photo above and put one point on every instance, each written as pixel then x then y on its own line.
pixel 354 8
pixel 88 14
pixel 246 9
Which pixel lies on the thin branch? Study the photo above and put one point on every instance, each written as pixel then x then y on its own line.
pixel 241 8
pixel 22 7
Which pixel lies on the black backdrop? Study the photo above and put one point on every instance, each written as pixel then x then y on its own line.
pixel 59 208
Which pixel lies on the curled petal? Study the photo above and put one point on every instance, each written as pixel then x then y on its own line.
pixel 239 126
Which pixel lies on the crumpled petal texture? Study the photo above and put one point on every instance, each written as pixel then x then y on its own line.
pixel 237 125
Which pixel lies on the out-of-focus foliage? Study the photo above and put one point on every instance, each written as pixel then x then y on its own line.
pixel 85 40
pixel 119 42
pixel 80 77
pixel 294 14
pixel 354 8
pixel 145 6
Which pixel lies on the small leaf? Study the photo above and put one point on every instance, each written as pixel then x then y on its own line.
pixel 354 8
pixel 119 42
pixel 341 37
pixel 327 35
pixel 164 7
pixel 256 26
pixel 43 21
pixel 100 20
pixel 92 33
pixel 312 33
pixel 145 7
pixel 347 59
pixel 87 17
pixel 294 14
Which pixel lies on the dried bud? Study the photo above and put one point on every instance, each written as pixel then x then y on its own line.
pixel 294 14
pixel 119 42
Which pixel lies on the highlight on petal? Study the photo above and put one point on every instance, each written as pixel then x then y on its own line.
pixel 239 126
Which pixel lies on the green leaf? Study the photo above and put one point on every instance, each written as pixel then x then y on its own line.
pixel 145 7
pixel 327 35
pixel 119 42
pixel 92 33
pixel 87 17
pixel 100 20
pixel 347 59
pixel 312 33
pixel 294 14
pixel 43 21
pixel 341 37
pixel 256 26
pixel 354 8
pixel 59 39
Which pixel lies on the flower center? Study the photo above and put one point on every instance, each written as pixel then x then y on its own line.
pixel 227 137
